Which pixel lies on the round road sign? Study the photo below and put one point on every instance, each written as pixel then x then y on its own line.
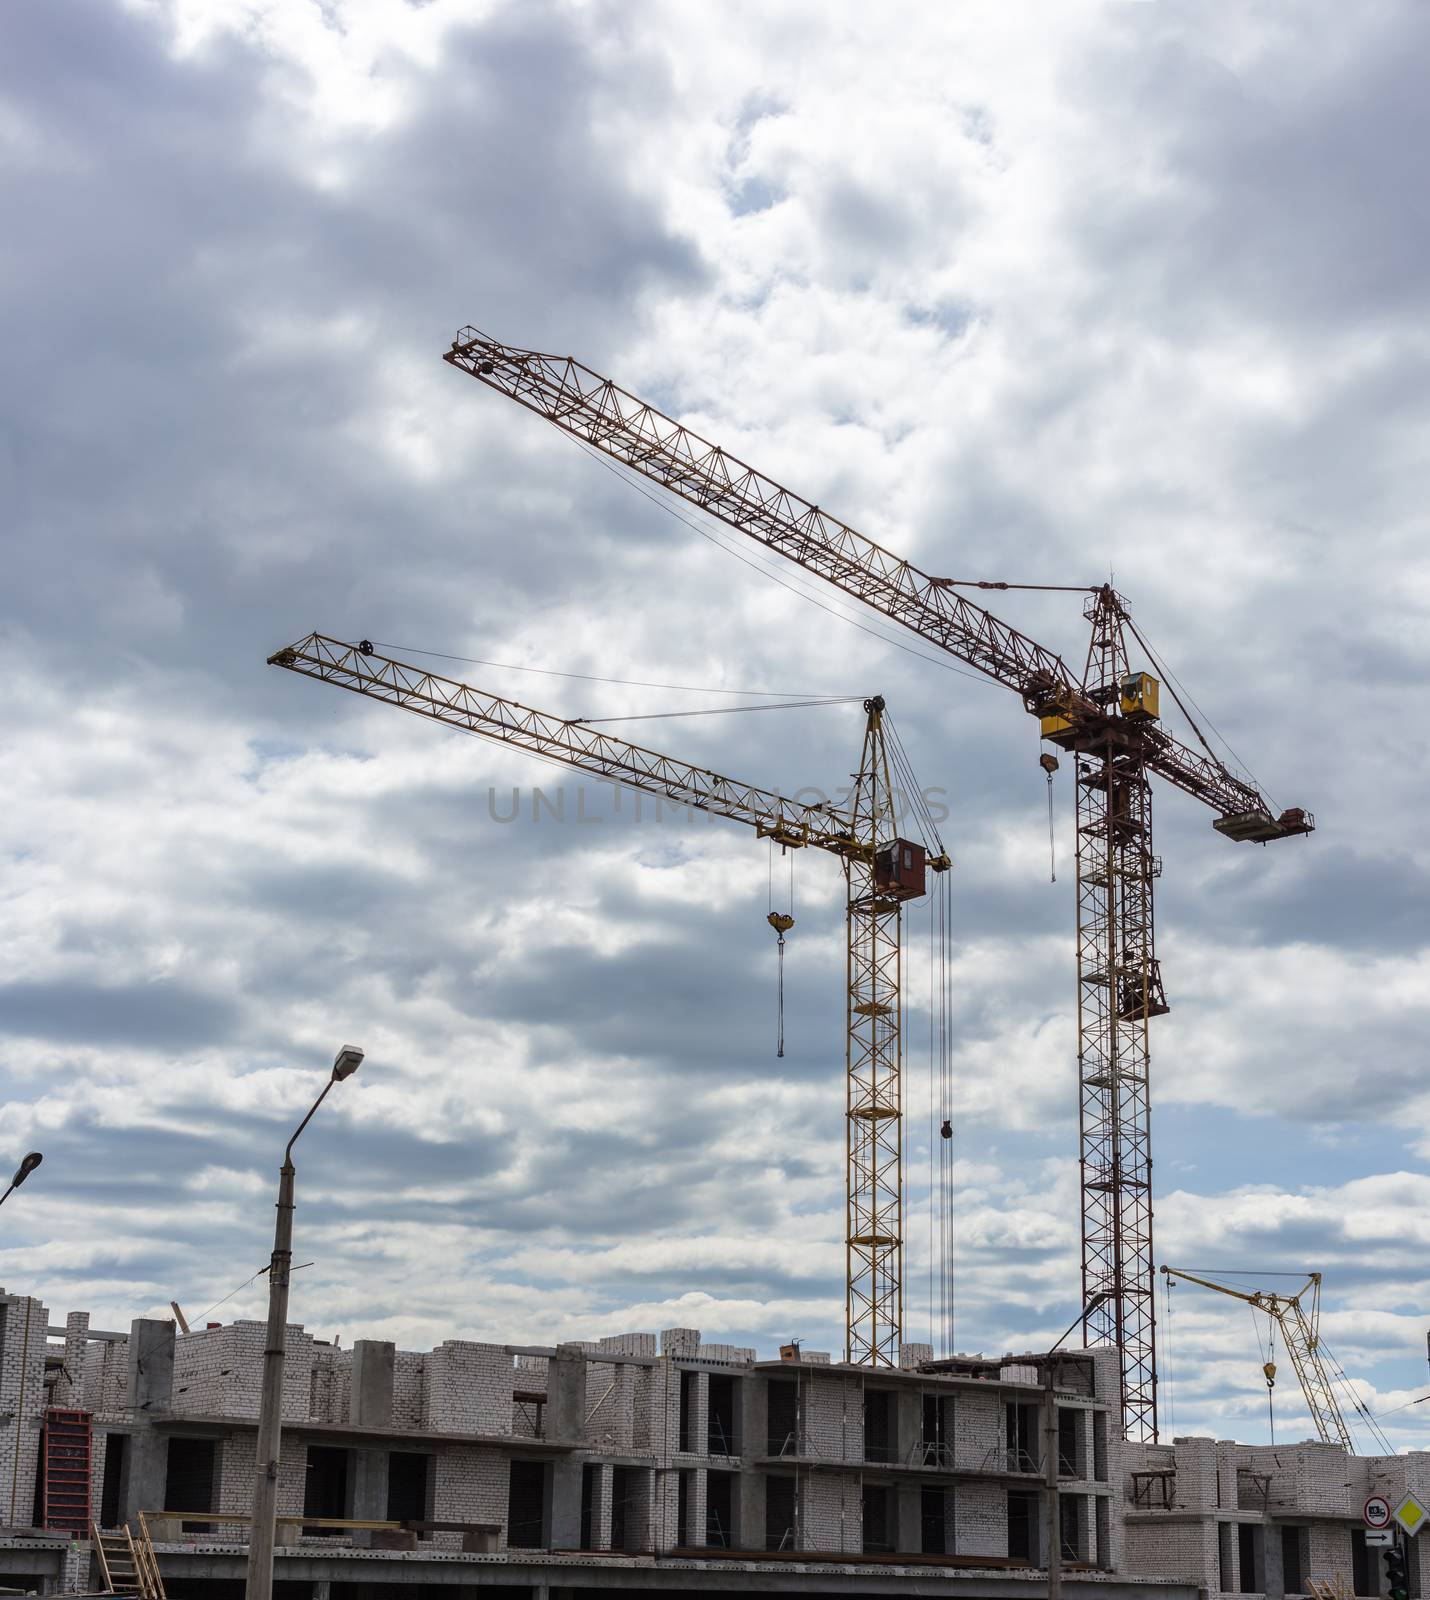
pixel 1377 1512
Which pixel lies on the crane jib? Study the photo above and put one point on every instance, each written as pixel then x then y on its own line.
pixel 599 412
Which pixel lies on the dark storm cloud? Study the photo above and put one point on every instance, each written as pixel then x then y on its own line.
pixel 164 1014
pixel 183 409
pixel 1295 191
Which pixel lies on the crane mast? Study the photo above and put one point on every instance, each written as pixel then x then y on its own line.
pixel 882 870
pixel 1116 744
pixel 1119 989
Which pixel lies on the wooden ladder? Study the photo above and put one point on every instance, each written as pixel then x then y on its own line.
pixel 118 1566
pixel 1330 1589
pixel 127 1566
pixel 151 1585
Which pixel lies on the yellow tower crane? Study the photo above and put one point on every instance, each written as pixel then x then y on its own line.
pixel 1300 1324
pixel 883 872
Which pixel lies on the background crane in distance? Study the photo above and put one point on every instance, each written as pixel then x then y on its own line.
pixel 1107 718
pixel 883 873
pixel 1300 1324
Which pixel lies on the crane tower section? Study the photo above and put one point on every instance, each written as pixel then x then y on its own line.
pixel 878 887
pixel 1119 990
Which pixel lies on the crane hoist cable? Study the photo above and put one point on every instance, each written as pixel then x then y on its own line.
pixel 1165 1377
pixel 781 922
pixel 1049 763
pixel 947 1214
pixel 1268 1371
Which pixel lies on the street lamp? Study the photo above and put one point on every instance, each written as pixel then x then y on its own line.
pixel 23 1171
pixel 270 1410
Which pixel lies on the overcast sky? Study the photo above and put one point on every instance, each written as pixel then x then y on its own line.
pixel 1024 292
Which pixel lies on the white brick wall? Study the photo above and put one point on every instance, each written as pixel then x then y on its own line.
pixel 469 1388
pixel 978 1429
pixel 830 1507
pixel 329 1384
pixel 23 1325
pixel 831 1413
pixel 980 1519
pixel 470 1485
pixel 409 1389
pixel 219 1372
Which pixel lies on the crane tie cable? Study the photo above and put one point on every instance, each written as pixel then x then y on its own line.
pixel 712 711
pixel 591 677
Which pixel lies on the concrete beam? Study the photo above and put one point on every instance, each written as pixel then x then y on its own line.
pixel 640 1574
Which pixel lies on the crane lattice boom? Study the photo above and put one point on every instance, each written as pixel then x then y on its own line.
pixel 575 744
pixel 602 414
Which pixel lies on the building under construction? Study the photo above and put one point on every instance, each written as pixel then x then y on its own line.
pixel 641 1463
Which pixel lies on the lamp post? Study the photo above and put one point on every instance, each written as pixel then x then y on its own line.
pixel 270 1410
pixel 23 1171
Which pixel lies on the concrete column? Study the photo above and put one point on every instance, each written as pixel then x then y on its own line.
pixel 700 1415
pixel 367 1489
pixel 667 1501
pixel 151 1389
pixel 752 1418
pixel 601 1508
pixel 750 1509
pixel 566 1478
pixel 908 1422
pixel 695 1509
pixel 566 1394
pixel 909 1530
pixel 1275 1575
pixel 370 1384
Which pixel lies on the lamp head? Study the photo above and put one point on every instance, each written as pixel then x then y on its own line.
pixel 349 1059
pixel 26 1167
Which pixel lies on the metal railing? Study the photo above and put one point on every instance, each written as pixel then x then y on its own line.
pixel 1011 1458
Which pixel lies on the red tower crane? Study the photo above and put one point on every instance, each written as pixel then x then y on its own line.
pixel 1107 718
